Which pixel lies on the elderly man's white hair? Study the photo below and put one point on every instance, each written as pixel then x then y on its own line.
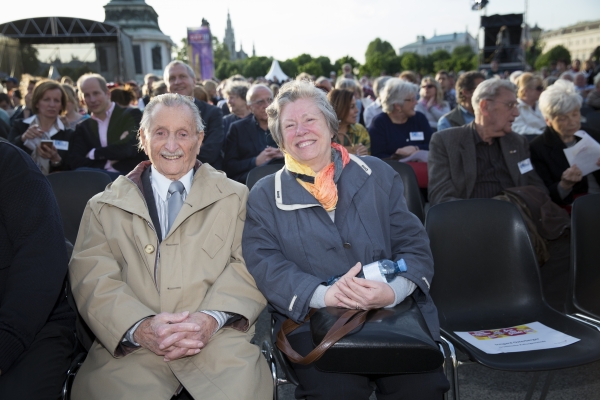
pixel 489 90
pixel 559 99
pixel 253 89
pixel 396 91
pixel 189 69
pixel 168 100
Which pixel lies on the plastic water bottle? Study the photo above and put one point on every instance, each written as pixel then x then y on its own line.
pixel 380 271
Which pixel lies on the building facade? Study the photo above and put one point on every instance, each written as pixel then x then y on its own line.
pixel 449 42
pixel 580 39
pixel 229 41
pixel 151 49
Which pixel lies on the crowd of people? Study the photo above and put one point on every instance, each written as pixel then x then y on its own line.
pixel 176 250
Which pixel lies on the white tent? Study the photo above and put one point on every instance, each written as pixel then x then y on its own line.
pixel 276 72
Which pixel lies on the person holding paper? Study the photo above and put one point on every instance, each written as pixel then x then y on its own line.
pixel 560 104
pixel 43 135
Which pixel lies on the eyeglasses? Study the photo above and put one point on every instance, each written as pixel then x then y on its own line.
pixel 263 102
pixel 511 105
pixel 427 86
pixel 539 88
pixel 410 100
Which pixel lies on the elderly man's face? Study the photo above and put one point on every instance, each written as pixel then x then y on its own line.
pixel 172 143
pixel 180 81
pixel 501 112
pixel 260 100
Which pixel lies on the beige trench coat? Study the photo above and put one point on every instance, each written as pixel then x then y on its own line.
pixel 200 268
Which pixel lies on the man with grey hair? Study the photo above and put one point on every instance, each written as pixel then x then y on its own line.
pixel 481 159
pixel 249 142
pixel 374 108
pixel 158 275
pixel 106 141
pixel 180 78
pixel 235 93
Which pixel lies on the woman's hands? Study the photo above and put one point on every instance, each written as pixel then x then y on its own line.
pixel 359 150
pixel 49 152
pixel 32 132
pixel 352 292
pixel 406 151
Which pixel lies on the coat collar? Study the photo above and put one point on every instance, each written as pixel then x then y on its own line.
pixel 208 187
pixel 290 195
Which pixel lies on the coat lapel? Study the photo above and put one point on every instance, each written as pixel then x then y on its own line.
pixel 347 189
pixel 511 153
pixel 113 135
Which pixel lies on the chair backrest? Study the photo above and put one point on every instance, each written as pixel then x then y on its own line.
pixel 412 193
pixel 585 256
pixel 258 173
pixel 72 190
pixel 484 261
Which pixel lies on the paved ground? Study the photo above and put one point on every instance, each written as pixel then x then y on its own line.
pixel 480 383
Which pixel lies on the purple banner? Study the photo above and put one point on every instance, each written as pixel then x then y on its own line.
pixel 200 52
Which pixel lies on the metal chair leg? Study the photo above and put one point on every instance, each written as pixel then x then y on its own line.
pixel 532 385
pixel 547 385
pixel 455 363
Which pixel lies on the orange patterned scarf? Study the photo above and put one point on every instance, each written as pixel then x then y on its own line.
pixel 324 189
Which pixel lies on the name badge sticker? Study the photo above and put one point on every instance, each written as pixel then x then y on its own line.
pixel 417 136
pixel 525 166
pixel 61 145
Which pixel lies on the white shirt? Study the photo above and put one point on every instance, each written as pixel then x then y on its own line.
pixel 530 120
pixel 373 110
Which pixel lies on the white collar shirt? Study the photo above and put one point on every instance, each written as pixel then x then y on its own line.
pixel 530 120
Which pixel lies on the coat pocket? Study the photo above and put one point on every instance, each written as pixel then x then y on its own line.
pixel 217 235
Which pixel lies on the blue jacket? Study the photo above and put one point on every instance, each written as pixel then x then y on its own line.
pixel 291 245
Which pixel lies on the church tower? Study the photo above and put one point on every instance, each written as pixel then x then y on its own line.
pixel 229 40
pixel 150 47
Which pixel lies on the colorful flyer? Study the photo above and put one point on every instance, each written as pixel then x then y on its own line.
pixel 526 337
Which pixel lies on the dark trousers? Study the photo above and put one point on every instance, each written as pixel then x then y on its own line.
pixel 315 384
pixel 39 373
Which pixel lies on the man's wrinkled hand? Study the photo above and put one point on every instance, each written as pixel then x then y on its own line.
pixel 180 344
pixel 152 333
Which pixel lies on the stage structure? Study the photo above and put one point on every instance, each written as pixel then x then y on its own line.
pixel 113 46
pixel 503 41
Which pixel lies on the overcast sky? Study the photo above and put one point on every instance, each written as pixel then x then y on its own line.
pixel 284 29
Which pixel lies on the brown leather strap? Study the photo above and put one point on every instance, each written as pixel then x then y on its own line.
pixel 346 323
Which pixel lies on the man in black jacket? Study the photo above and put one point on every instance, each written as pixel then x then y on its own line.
pixel 36 323
pixel 108 140
pixel 180 79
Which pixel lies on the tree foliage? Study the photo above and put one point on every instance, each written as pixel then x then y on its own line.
pixel 557 53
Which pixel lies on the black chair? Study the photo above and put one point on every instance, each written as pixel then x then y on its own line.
pixel 285 375
pixel 73 189
pixel 486 276
pixel 583 300
pixel 258 173
pixel 412 193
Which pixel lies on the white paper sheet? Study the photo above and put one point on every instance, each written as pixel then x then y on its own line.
pixel 584 154
pixel 526 337
pixel 420 156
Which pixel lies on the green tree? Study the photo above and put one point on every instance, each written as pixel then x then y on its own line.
pixel 255 66
pixel 182 51
pixel 346 59
pixel 303 59
pixel 289 67
pixel 557 53
pixel 378 46
pixel 31 64
pixel 312 67
pixel 411 61
pixel 326 65
pixel 380 57
pixel 220 51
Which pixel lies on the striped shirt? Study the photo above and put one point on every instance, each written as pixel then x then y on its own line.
pixel 492 173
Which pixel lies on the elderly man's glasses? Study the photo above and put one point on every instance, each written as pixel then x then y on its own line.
pixel 263 102
pixel 511 105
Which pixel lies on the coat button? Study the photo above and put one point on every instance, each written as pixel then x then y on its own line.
pixel 347 245
pixel 149 249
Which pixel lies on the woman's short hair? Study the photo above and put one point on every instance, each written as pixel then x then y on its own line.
pixel 559 99
pixel 200 93
pixel 379 84
pixel 296 90
pixel 489 90
pixel 439 93
pixel 341 101
pixel 237 88
pixel 168 100
pixel 158 88
pixel 396 91
pixel 122 96
pixel 42 87
pixel 527 80
pixel 350 85
pixel 409 76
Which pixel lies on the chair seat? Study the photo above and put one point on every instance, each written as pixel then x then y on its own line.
pixel 586 350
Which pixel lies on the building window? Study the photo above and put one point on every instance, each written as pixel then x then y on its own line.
pixel 103 58
pixel 156 58
pixel 137 58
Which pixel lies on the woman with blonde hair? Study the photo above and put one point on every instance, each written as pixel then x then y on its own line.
pixel 432 103
pixel 530 120
pixel 72 114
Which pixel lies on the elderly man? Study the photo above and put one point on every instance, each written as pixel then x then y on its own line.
pixel 158 275
pixel 484 157
pixel 249 142
pixel 106 141
pixel 236 92
pixel 463 113
pixel 180 78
